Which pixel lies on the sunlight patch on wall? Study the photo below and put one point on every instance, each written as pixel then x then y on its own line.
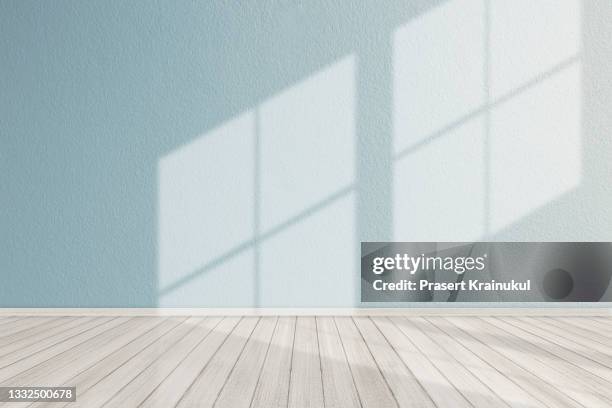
pixel 206 202
pixel 231 283
pixel 314 256
pixel 535 135
pixel 529 37
pixel 437 70
pixel 535 147
pixel 307 143
pixel 439 189
pixel 516 70
pixel 262 208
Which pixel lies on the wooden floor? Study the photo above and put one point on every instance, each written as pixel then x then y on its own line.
pixel 312 362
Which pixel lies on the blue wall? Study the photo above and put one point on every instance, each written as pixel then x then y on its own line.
pixel 115 115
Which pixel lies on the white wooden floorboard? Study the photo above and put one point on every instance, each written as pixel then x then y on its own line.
pixel 272 389
pixel 205 390
pixel 331 362
pixel 170 391
pixel 34 341
pixel 61 367
pixel 19 326
pixel 113 383
pixel 403 384
pixel 11 337
pixel 338 386
pixel 56 370
pixel 12 353
pixel 585 351
pixel 602 321
pixel 8 319
pixel 523 377
pixel 586 326
pixel 15 367
pixel 537 361
pixel 306 383
pixel 441 391
pixel 578 360
pixel 134 393
pixel 240 385
pixel 583 340
pixel 87 378
pixel 485 370
pixel 571 331
pixel 568 364
pixel 604 325
pixel 477 393
pixel 371 385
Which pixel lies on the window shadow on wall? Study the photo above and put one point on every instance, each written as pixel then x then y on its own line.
pixel 235 155
pixel 463 118
pixel 263 210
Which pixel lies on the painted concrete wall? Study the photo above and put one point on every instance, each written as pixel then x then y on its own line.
pixel 214 154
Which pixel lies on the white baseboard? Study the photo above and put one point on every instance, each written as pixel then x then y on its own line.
pixel 591 311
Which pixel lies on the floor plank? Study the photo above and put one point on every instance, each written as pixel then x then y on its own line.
pixel 8 319
pixel 478 394
pixel 89 377
pixel 523 377
pixel 204 391
pixel 59 368
pixel 405 387
pixel 273 386
pixel 16 327
pixel 605 324
pixel 604 321
pixel 113 383
pixel 371 386
pixel 338 387
pixel 441 391
pixel 22 336
pixel 240 385
pixel 331 362
pixel 306 383
pixel 35 342
pixel 17 366
pixel 482 368
pixel 578 360
pixel 571 331
pixel 537 361
pixel 134 393
pixel 569 368
pixel 586 326
pixel 598 349
pixel 587 352
pixel 170 391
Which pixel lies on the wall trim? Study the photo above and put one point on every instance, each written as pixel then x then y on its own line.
pixel 603 311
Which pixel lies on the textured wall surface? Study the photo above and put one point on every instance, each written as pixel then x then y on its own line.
pixel 236 153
